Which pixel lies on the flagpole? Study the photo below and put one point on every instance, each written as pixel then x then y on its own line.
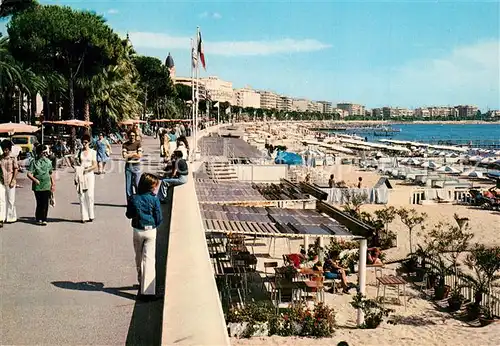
pixel 197 72
pixel 192 89
pixel 218 113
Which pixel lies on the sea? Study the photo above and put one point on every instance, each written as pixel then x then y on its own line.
pixel 477 135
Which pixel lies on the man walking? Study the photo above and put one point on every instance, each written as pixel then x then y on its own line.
pixel 132 153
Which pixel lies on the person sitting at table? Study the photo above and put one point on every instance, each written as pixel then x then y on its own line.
pixel 311 263
pixel 373 256
pixel 332 270
pixel 296 258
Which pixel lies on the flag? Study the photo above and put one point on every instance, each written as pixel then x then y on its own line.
pixel 194 57
pixel 217 105
pixel 201 53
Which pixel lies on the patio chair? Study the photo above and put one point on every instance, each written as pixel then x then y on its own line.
pixel 269 276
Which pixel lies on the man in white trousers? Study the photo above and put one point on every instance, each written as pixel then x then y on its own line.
pixel 9 170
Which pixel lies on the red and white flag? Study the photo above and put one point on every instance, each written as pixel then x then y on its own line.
pixel 201 53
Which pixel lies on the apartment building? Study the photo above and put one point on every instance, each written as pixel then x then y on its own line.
pixel 341 112
pixel 352 108
pixel 247 97
pixel 466 111
pixel 218 89
pixel 285 104
pixel 326 107
pixel 300 105
pixel 268 100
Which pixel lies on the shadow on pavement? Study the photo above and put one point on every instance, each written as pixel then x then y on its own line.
pixel 32 221
pixel 104 205
pixel 147 319
pixel 97 287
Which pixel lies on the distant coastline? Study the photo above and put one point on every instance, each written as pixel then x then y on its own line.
pixel 429 122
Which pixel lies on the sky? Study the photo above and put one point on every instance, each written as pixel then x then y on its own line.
pixel 377 53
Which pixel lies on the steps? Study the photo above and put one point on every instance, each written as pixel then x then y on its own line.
pixel 221 170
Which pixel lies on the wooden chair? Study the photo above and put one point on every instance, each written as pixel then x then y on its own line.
pixel 269 275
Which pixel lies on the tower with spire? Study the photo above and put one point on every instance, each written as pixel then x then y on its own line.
pixel 169 63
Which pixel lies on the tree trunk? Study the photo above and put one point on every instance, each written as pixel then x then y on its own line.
pixel 145 105
pixel 86 114
pixel 71 96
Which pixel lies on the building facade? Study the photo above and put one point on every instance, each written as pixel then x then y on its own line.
pixel 300 105
pixel 466 111
pixel 268 100
pixel 352 109
pixel 219 90
pixel 326 107
pixel 247 97
pixel 285 104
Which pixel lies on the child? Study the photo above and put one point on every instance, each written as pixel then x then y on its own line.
pixel 144 210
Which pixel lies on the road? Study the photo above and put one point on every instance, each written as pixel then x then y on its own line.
pixel 72 283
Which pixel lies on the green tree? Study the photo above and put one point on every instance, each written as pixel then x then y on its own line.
pixel 11 7
pixel 75 44
pixel 155 82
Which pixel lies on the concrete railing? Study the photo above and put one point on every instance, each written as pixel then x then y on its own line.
pixel 192 313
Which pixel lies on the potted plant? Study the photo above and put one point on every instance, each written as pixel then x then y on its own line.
pixel 455 300
pixel 374 313
pixel 486 316
pixel 485 264
pixel 441 269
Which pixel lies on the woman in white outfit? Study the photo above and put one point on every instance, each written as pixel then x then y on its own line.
pixel 9 170
pixel 85 179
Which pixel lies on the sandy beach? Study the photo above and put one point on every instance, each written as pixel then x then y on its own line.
pixel 421 322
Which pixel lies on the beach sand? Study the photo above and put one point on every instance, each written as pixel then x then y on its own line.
pixel 421 323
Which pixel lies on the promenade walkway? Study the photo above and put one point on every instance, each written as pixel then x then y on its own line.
pixel 71 283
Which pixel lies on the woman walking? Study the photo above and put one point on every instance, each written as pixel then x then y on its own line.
pixel 103 152
pixel 85 179
pixel 9 169
pixel 40 173
pixel 145 212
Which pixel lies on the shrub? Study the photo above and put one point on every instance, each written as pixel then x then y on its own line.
pixel 374 312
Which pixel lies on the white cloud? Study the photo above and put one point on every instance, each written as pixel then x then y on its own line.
pixel 112 11
pixel 213 15
pixel 228 48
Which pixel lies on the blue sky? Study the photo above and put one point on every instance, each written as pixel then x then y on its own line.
pixel 399 53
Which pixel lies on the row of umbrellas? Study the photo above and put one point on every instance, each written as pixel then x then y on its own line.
pixel 25 128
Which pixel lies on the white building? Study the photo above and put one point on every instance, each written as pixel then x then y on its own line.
pixel 247 97
pixel 218 89
pixel 268 100
pixel 300 105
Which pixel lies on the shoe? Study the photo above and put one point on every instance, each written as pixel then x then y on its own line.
pixel 91 220
pixel 39 222
pixel 84 221
pixel 44 223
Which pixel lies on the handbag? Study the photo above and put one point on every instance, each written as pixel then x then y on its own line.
pixel 52 200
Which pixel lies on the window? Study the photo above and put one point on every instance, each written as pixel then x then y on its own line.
pixel 20 140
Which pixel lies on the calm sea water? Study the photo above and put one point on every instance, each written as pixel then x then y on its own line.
pixel 443 132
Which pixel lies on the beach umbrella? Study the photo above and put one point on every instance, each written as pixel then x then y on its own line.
pixel 487 160
pixel 17 128
pixel 476 174
pixel 475 158
pixel 448 169
pixel 430 164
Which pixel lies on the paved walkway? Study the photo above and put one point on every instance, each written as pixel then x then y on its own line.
pixel 71 283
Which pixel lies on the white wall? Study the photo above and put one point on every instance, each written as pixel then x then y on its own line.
pixel 261 173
